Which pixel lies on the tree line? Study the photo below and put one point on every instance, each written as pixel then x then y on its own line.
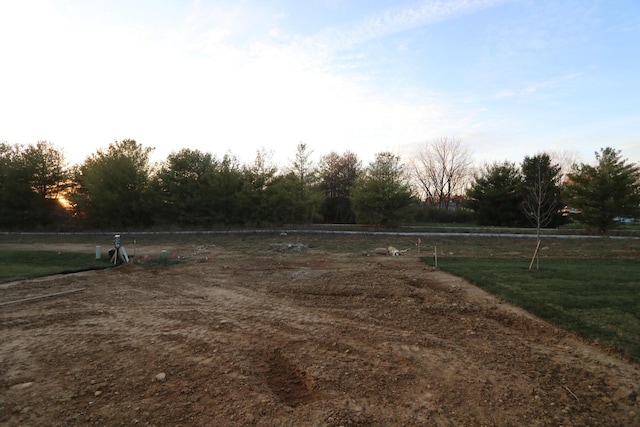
pixel 118 187
pixel 538 193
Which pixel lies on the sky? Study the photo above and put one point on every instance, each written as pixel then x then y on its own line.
pixel 508 78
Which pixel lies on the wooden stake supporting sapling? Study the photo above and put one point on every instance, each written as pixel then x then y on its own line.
pixel 535 254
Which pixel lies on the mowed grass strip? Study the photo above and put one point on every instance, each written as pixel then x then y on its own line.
pixel 16 265
pixel 597 298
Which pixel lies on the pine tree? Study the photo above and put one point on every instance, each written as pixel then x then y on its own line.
pixel 604 192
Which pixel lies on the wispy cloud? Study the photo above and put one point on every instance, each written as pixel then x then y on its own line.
pixel 399 19
pixel 237 76
pixel 535 88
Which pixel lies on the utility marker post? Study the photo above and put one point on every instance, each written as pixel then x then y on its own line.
pixel 435 256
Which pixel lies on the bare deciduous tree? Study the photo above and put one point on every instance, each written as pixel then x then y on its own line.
pixel 541 191
pixel 442 169
pixel 566 159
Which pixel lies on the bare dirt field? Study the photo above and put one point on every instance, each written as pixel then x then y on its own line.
pixel 288 337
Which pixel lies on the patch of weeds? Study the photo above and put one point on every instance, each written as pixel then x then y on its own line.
pixel 152 262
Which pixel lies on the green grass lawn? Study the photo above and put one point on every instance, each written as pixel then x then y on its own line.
pixel 597 298
pixel 15 265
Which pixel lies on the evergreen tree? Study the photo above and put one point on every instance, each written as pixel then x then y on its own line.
pixel 606 191
pixel 382 195
pixel 113 186
pixel 338 175
pixel 183 188
pixel 227 186
pixel 31 179
pixel 306 197
pixel 495 197
pixel 258 183
pixel 17 198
